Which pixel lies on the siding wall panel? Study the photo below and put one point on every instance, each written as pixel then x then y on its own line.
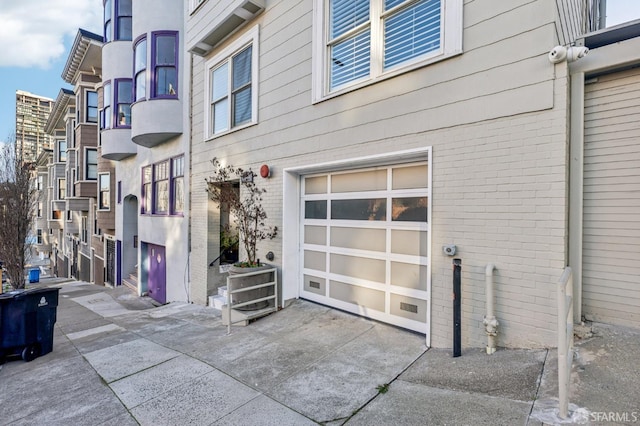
pixel 496 117
pixel 611 236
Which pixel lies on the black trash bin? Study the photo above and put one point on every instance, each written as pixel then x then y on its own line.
pixel 27 318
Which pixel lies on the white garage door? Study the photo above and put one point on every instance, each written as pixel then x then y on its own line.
pixel 611 235
pixel 366 242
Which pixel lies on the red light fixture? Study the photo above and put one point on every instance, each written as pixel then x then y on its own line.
pixel 265 172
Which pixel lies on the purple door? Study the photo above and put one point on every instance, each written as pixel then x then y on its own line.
pixel 157 273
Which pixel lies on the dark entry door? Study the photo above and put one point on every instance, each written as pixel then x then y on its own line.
pixel 157 273
pixel 111 262
pixel 74 260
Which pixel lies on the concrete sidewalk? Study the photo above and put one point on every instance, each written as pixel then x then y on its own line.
pixel 120 360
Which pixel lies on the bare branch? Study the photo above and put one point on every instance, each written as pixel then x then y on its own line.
pixel 246 206
pixel 18 200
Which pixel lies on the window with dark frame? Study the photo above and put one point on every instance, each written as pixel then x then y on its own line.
pixel 161 188
pixel 105 116
pixel 146 190
pixel 139 69
pixel 177 185
pixel 91 164
pixel 123 13
pixel 62 189
pixel 107 33
pixel 84 230
pixel 104 191
pixel 123 93
pixel 39 236
pixel 62 151
pixel 92 107
pixel 164 64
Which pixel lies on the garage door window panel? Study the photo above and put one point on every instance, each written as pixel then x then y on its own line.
pixel 370 180
pixel 359 238
pixel 361 209
pixel 409 275
pixel 315 235
pixel 315 209
pixel 362 296
pixel 409 209
pixel 315 185
pixel 373 270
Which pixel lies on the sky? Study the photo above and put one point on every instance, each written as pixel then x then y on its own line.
pixel 35 39
pixel 36 35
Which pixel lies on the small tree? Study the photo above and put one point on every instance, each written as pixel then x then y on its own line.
pixel 18 198
pixel 245 206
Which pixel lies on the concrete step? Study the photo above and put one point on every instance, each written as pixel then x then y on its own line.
pixel 222 291
pixel 217 301
pixel 133 285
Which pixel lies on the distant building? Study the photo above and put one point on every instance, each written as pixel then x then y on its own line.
pixel 32 112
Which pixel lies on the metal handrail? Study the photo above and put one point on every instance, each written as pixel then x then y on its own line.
pixel 231 291
pixel 565 338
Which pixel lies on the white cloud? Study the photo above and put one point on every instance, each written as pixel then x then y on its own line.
pixel 33 31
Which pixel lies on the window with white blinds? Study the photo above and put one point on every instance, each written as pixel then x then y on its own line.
pixel 232 86
pixel 366 40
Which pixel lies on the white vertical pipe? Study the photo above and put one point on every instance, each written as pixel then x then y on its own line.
pixel 490 321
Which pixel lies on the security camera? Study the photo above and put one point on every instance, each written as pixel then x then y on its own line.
pixel 576 52
pixel 571 54
pixel 449 249
pixel 558 54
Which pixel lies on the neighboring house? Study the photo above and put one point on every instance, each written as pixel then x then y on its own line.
pixel 41 228
pixel 82 71
pixel 60 126
pixel 144 130
pixel 604 224
pixel 394 128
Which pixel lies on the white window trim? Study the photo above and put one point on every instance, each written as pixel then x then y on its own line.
pixel 195 4
pixel 451 45
pixel 251 37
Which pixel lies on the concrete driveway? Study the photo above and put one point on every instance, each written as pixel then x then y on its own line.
pixel 120 360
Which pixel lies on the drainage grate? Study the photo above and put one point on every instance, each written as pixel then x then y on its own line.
pixel 409 307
